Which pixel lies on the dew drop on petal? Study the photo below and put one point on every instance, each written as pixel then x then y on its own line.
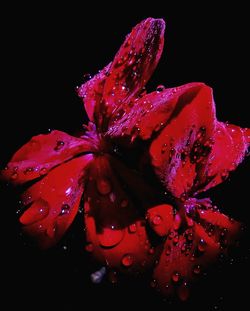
pixel 176 277
pixel 183 291
pixel 103 186
pixel 132 228
pixel 14 176
pixel 124 203
pixel 160 88
pixel 197 269
pixel 127 260
pixel 65 209
pixel 43 171
pixel 59 145
pixel 202 245
pixel 156 220
pixel 89 247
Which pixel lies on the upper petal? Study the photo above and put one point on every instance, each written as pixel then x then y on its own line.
pixel 184 142
pixel 123 79
pixel 42 153
pixel 54 201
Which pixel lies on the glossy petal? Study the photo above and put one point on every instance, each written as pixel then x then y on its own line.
pixel 54 201
pixel 187 255
pixel 91 93
pixel 184 142
pixel 123 79
pixel 114 217
pixel 43 152
pixel 230 144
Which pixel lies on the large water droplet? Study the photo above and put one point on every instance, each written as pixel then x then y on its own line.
pixel 127 260
pixel 110 237
pixel 14 176
pixel 103 186
pixel 28 170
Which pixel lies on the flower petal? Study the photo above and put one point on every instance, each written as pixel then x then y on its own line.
pixel 152 112
pixel 188 253
pixel 91 93
pixel 184 142
pixel 228 151
pixel 54 201
pixel 134 63
pixel 124 78
pixel 43 152
pixel 114 217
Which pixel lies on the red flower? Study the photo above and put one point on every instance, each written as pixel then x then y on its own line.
pixel 139 166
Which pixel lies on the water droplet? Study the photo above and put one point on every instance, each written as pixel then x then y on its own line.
pixel 86 77
pixel 132 228
pixel 183 291
pixel 43 171
pixel 89 247
pixel 28 170
pixel 197 269
pixel 127 260
pixel 59 145
pixel 176 277
pixel 65 209
pixel 14 176
pixel 160 88
pixel 51 231
pixel 112 197
pixel 110 237
pixel 103 186
pixel 64 247
pixel 164 148
pixel 202 245
pixel 156 220
pixel 124 203
pixel 153 284
pixel 151 251
pixel 97 276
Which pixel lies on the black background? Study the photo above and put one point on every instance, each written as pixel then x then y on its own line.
pixel 46 52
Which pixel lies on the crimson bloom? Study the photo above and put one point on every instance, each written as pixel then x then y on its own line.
pixel 140 169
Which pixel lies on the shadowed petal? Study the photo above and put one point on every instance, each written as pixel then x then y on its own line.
pixel 54 201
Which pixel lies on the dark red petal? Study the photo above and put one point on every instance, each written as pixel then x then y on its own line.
pixel 134 63
pixel 123 79
pixel 54 201
pixel 150 113
pixel 43 152
pixel 184 142
pixel 228 151
pixel 188 254
pixel 161 218
pixel 114 211
pixel 91 92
